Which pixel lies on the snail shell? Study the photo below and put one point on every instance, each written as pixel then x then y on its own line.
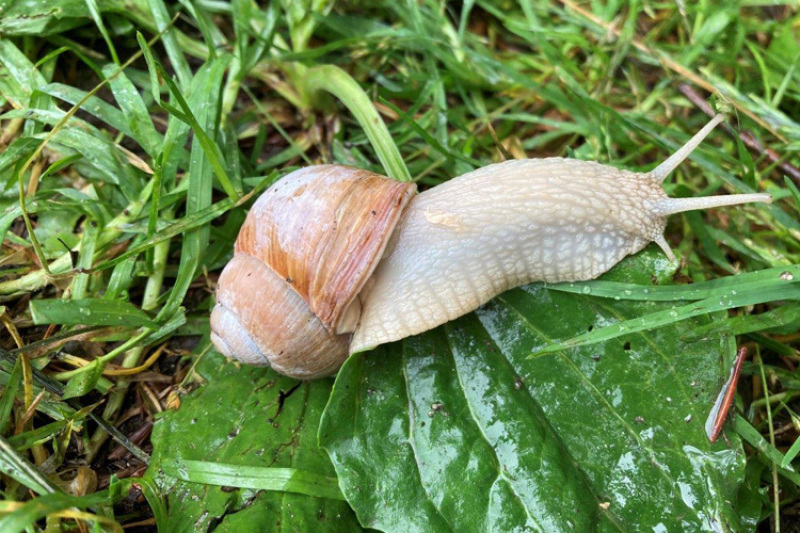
pixel 332 250
pixel 305 251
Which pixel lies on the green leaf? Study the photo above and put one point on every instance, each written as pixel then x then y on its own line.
pixel 89 311
pixel 254 477
pixel 80 283
pixel 168 326
pixel 715 288
pixel 302 17
pixel 18 151
pixel 43 17
pixel 40 435
pixel 244 425
pixel 85 381
pixel 793 189
pixel 9 395
pixel 94 11
pixel 20 469
pixel 176 56
pixel 746 430
pixel 791 454
pixel 204 97
pixel 183 225
pixel 67 419
pixel 333 79
pixel 136 114
pixel 262 41
pixel 205 156
pixel 27 515
pixel 789 289
pixel 458 430
pixel 780 316
pixel 747 162
pixel 156 501
pixel 102 155
pixel 19 66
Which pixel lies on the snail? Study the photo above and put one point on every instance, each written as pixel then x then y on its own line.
pixel 333 260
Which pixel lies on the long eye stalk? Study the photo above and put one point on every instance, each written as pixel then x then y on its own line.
pixel 669 206
pixel 663 170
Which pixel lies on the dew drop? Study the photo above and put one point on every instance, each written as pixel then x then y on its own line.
pixel 586 290
pixel 628 292
pixel 787 276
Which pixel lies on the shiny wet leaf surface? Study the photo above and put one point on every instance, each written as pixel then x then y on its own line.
pixel 256 429
pixel 459 429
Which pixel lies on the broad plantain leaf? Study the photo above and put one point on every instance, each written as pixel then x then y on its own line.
pixel 460 430
pixel 246 417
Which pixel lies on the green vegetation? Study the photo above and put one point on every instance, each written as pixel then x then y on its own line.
pixel 134 136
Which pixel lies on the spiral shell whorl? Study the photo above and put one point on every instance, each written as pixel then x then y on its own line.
pixel 256 308
pixel 309 244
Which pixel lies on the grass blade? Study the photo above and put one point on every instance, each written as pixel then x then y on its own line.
pixel 744 324
pixel 176 57
pixel 672 293
pixel 253 477
pixel 746 430
pixel 89 311
pixel 95 12
pixel 736 298
pixel 178 227
pixel 27 515
pixel 46 382
pixel 332 79
pixel 211 148
pixel 9 395
pixel 134 109
pixel 20 469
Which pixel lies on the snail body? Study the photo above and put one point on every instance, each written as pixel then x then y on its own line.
pixel 334 260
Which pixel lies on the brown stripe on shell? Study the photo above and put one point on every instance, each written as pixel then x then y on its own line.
pixel 323 229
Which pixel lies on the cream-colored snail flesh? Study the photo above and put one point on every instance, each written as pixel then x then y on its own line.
pixel 334 260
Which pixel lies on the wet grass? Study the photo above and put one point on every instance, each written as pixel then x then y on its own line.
pixel 135 134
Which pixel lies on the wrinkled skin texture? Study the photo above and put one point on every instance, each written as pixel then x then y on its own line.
pixel 566 220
